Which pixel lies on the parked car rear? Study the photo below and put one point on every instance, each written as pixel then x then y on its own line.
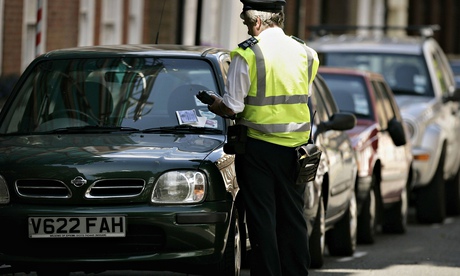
pixel 383 152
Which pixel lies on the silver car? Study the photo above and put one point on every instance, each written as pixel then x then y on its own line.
pixel 419 74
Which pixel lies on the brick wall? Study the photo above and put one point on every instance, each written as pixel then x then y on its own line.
pixel 12 37
pixel 62 24
pixel 169 23
pixel 11 56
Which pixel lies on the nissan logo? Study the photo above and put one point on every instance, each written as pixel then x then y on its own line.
pixel 78 181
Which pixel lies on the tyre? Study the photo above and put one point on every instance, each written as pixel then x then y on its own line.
pixel 453 196
pixel 230 264
pixel 430 203
pixel 341 240
pixel 395 217
pixel 317 238
pixel 367 218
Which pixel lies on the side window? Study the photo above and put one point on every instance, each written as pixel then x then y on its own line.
pixel 389 112
pixel 393 109
pixel 440 73
pixel 380 106
pixel 316 104
pixel 444 68
pixel 327 97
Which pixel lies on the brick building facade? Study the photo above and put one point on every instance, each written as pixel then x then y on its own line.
pixel 70 23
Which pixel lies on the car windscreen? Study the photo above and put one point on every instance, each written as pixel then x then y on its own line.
pixel 405 74
pixel 130 93
pixel 350 94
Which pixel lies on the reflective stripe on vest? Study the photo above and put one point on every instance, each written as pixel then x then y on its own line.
pixel 261 100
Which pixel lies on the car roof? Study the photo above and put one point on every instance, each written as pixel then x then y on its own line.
pixel 350 72
pixel 134 50
pixel 370 44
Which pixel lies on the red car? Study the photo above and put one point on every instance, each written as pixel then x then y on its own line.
pixel 383 152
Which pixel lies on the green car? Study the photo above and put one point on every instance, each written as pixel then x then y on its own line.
pixel 108 160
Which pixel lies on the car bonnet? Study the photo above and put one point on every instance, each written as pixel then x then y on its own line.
pixel 40 155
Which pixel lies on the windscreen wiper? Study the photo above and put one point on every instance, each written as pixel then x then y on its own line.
pixel 93 129
pixel 182 129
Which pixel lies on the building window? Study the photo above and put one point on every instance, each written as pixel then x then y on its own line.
pixel 112 22
pixel 86 23
pixel 2 3
pixel 136 18
pixel 34 31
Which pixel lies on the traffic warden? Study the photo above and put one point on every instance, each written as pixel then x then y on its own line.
pixel 267 89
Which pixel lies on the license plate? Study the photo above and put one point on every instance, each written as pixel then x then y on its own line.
pixel 77 227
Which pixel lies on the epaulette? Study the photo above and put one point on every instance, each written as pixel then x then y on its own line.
pixel 298 39
pixel 248 43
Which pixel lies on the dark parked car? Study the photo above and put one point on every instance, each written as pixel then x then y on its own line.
pixel 330 208
pixel 108 160
pixel 384 155
pixel 418 72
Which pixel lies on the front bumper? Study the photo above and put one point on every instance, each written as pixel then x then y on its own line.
pixel 193 234
pixel 424 165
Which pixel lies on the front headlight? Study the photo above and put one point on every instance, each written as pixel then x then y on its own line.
pixel 4 193
pixel 411 128
pixel 180 187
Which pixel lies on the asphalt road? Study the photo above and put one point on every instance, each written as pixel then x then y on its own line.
pixel 424 250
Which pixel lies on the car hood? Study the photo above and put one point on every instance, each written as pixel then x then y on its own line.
pixel 362 134
pixel 93 156
pixel 413 105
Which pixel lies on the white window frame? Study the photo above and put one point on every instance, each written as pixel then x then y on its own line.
pixel 86 22
pixel 29 30
pixel 224 29
pixel 111 22
pixel 2 8
pixel 135 21
pixel 189 23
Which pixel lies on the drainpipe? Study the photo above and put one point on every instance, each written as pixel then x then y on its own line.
pixel 397 16
pixel 38 33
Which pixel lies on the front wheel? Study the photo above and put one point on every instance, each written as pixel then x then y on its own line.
pixel 430 200
pixel 367 219
pixel 317 238
pixel 341 240
pixel 230 264
pixel 453 195
pixel 395 217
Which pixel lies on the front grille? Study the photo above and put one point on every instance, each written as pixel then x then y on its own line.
pixel 42 188
pixel 115 188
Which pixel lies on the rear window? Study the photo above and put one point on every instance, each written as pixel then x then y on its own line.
pixel 406 74
pixel 350 94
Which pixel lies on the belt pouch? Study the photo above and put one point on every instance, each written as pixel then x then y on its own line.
pixel 236 139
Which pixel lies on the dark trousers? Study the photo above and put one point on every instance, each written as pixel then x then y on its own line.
pixel 266 174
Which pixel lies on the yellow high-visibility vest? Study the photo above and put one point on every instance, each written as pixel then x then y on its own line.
pixel 276 107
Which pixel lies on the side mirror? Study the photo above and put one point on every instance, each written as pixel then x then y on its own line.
pixel 341 121
pixel 338 121
pixel 455 97
pixel 396 131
